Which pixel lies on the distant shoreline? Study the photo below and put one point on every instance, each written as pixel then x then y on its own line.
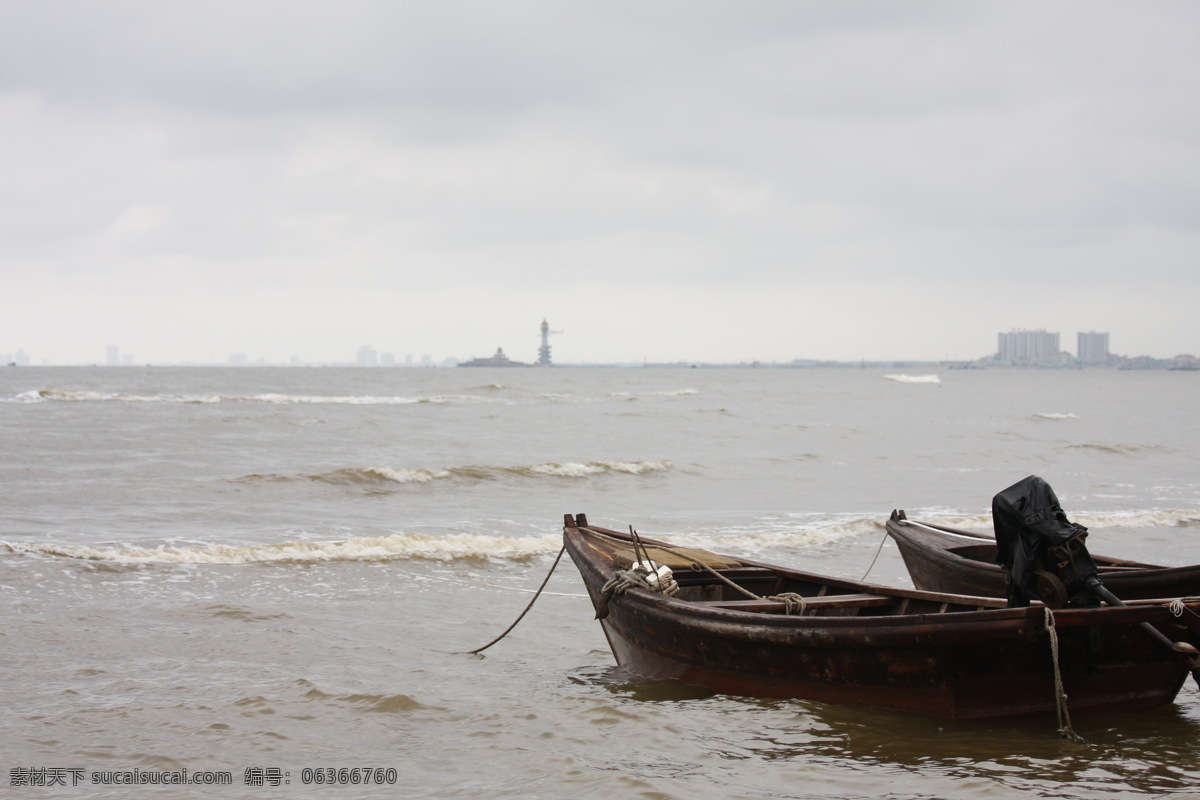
pixel 1173 365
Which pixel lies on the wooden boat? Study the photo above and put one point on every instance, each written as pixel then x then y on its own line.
pixel 944 559
pixel 846 641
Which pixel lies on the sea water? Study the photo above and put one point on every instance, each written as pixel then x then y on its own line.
pixel 263 581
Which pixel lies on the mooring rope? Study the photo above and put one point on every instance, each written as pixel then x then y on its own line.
pixel 878 550
pixel 1060 693
pixel 538 594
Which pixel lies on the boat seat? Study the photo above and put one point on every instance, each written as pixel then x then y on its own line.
pixel 810 603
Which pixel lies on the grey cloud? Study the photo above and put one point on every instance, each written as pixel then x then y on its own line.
pixel 654 146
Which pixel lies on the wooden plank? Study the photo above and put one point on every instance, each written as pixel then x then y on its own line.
pixel 810 603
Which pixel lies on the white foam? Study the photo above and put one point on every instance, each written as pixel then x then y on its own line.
pixel 409 475
pixel 372 476
pixel 351 400
pixel 913 378
pixel 1155 518
pixel 567 470
pixel 577 470
pixel 377 548
pixel 81 396
pixel 785 532
pixel 1055 416
pixel 70 396
pixel 1163 518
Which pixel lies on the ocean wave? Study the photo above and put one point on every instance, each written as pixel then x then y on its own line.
pixel 383 476
pixel 392 704
pixel 488 393
pixel 1166 518
pixel 349 400
pixel 377 475
pixel 1054 416
pixel 578 470
pixel 773 533
pixel 748 542
pixel 1152 518
pixel 913 378
pixel 1116 449
pixel 88 396
pixel 396 546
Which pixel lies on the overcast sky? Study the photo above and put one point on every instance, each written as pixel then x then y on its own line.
pixel 662 181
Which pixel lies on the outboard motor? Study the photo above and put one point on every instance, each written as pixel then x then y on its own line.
pixel 1044 558
pixel 1042 552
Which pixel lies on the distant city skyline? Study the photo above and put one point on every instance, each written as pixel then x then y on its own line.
pixel 1036 347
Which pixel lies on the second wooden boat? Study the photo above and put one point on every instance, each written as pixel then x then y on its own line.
pixel 945 559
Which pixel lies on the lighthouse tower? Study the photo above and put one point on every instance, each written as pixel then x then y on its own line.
pixel 544 350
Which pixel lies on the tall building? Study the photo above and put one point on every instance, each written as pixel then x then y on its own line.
pixel 367 357
pixel 544 350
pixel 1029 348
pixel 114 356
pixel 1092 348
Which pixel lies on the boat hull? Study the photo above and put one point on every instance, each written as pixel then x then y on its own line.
pixel 946 560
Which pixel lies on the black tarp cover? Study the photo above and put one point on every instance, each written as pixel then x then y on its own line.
pixel 1027 519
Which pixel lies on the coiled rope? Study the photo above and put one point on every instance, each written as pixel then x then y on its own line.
pixel 792 602
pixel 623 581
pixel 1177 607
pixel 1060 693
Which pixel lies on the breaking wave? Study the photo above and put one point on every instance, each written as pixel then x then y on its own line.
pixel 1162 518
pixel 1053 416
pixel 383 476
pixel 487 393
pixel 767 534
pixel 913 378
pixel 87 396
pixel 1170 518
pixel 577 470
pixel 374 548
pixel 788 532
pixel 1115 449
